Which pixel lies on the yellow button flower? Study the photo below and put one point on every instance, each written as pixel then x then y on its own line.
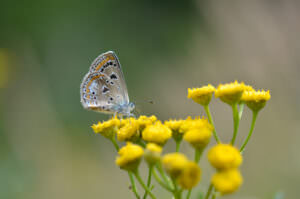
pixel 190 175
pixel 175 125
pixel 201 95
pixel 107 128
pixel 198 137
pixel 227 181
pixel 230 93
pixel 130 131
pixel 130 157
pixel 174 163
pixel 152 153
pixel 190 123
pixel 256 100
pixel 157 133
pixel 224 156
pixel 145 121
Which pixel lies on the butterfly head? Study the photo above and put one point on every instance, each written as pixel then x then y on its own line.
pixel 126 109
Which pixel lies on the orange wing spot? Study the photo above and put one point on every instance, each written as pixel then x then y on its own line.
pixel 90 82
pixel 108 57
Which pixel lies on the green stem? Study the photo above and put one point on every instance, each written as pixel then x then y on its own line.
pixel 164 176
pixel 254 116
pixel 148 181
pixel 141 143
pixel 133 186
pixel 236 122
pixel 210 188
pixel 189 194
pixel 178 145
pixel 241 109
pixel 157 178
pixel 198 153
pixel 206 108
pixel 214 196
pixel 113 140
pixel 138 177
pixel 176 192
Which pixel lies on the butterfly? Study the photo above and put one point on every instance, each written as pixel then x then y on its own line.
pixel 103 88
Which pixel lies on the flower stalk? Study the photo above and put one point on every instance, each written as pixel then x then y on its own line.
pixel 210 119
pixel 254 116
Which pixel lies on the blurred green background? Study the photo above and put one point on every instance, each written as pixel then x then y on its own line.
pixel 47 148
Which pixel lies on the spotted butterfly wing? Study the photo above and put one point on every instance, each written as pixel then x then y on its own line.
pixel 104 89
pixel 108 64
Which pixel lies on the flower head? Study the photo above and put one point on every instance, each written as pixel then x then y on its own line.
pixel 190 123
pixel 157 133
pixel 145 121
pixel 227 181
pixel 175 125
pixel 190 175
pixel 129 131
pixel 129 156
pixel 201 95
pixel 230 93
pixel 198 137
pixel 174 163
pixel 224 156
pixel 107 128
pixel 256 100
pixel 152 153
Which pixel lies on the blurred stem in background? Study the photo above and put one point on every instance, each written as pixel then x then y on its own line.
pixel 210 119
pixel 236 122
pixel 254 116
pixel 140 180
pixel 149 179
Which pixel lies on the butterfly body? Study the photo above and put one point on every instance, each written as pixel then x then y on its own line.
pixel 103 88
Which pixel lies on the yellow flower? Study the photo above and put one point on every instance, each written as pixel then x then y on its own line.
pixel 227 181
pixel 174 163
pixel 190 175
pixel 175 125
pixel 125 121
pixel 230 93
pixel 248 88
pixel 130 131
pixel 152 153
pixel 201 95
pixel 256 100
pixel 130 157
pixel 198 137
pixel 145 121
pixel 224 156
pixel 107 128
pixel 157 133
pixel 190 123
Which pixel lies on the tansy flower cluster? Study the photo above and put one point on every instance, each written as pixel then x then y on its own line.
pixel 145 137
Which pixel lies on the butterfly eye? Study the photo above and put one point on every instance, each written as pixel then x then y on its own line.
pixel 93 93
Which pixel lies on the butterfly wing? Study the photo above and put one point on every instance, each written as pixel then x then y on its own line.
pixel 97 93
pixel 109 65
